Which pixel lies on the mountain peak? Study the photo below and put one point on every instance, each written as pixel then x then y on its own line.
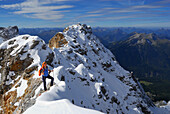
pixel 70 34
pixel 142 38
pixel 86 74
pixel 79 27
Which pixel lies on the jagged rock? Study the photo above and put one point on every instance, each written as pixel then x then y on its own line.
pixel 8 102
pixel 50 58
pixel 34 44
pixel 27 99
pixel 18 64
pixel 57 41
pixel 29 72
pixel 9 32
pixel 66 29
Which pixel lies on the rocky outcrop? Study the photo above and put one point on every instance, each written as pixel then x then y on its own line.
pixel 9 32
pixel 18 64
pixel 57 41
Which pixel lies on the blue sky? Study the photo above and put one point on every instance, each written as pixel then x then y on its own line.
pixel 105 13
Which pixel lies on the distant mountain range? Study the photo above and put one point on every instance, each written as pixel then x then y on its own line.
pixel 45 33
pixel 103 33
pixel 118 34
pixel 149 57
pixel 146 53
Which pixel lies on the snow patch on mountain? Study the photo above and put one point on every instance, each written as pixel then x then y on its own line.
pixel 63 106
pixel 29 45
pixel 1 40
pixel 21 89
pixel 167 106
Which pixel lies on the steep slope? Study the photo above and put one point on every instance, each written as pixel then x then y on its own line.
pixel 1 40
pixel 20 58
pixel 86 74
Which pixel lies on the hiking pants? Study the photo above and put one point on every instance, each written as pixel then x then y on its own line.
pixel 44 81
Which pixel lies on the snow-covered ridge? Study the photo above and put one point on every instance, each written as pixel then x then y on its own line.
pixel 29 45
pixel 86 74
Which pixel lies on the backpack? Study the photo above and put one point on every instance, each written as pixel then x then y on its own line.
pixel 40 71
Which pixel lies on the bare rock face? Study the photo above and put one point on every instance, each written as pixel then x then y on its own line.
pixel 9 32
pixel 57 41
pixel 11 68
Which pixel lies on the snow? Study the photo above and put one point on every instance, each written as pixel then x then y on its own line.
pixel 136 110
pixel 80 78
pixel 81 69
pixel 115 93
pixel 161 110
pixel 20 89
pixel 1 40
pixel 97 86
pixel 58 107
pixel 37 53
pixel 167 106
pixel 10 81
pixel 148 41
pixel 18 77
pixel 11 73
pixel 16 104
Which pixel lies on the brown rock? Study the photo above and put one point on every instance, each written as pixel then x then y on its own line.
pixel 29 72
pixel 8 102
pixel 20 65
pixel 66 29
pixel 57 41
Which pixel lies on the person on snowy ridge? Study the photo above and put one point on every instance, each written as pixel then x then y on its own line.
pixel 44 72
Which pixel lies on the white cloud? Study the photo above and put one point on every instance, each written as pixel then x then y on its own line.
pixel 129 9
pixel 124 10
pixel 90 15
pixel 41 9
pixel 28 3
pixel 102 10
pixel 47 16
pixel 119 17
pixel 146 6
pixel 110 8
pixel 127 2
